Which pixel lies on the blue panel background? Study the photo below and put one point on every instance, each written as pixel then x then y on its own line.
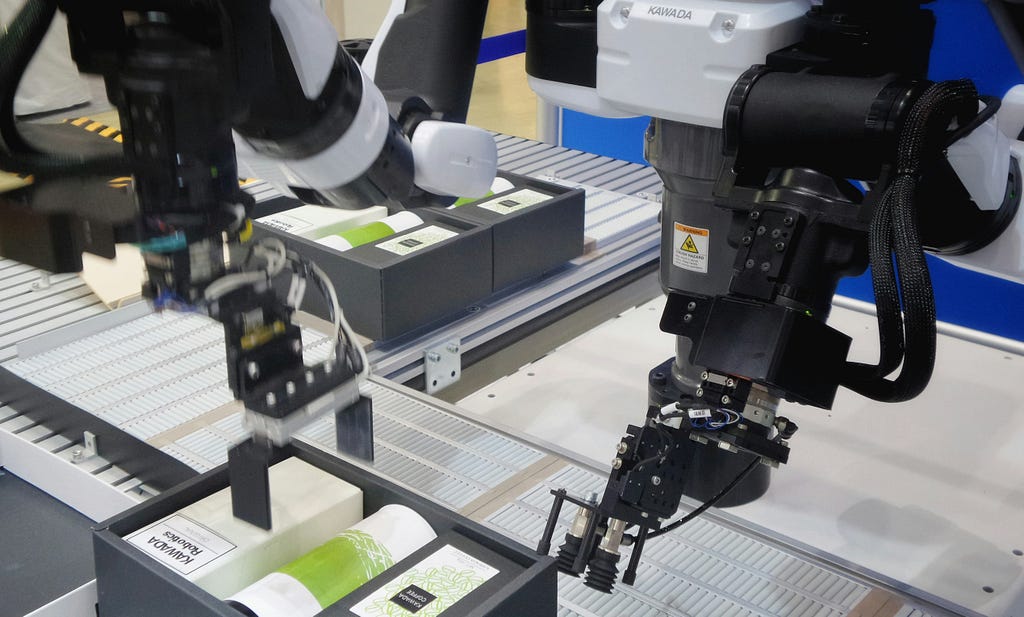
pixel 967 44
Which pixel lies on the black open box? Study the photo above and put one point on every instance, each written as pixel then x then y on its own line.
pixel 132 584
pixel 534 240
pixel 385 295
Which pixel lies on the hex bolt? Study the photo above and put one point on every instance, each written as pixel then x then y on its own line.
pixel 453 348
pixel 434 356
pixel 77 455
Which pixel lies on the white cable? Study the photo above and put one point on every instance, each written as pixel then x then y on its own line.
pixel 231 282
pixel 341 325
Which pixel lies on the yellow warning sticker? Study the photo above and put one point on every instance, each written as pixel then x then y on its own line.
pixel 691 248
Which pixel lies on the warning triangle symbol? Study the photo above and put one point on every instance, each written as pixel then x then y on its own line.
pixel 690 246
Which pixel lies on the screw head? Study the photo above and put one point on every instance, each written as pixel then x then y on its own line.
pixel 726 400
pixel 691 306
pixel 453 348
pixel 328 367
pixel 434 356
pixel 77 455
pixel 755 215
pixel 750 264
pixel 762 230
pixel 624 12
pixel 780 247
pixel 747 240
pixel 729 25
pixel 290 388
pixel 687 318
pixel 271 399
pixel 776 233
pixel 310 378
pixel 297 347
pixel 699 392
pixel 730 383
pixel 253 370
pixel 656 481
pixel 617 463
pixel 623 447
pixel 788 221
pixel 766 266
pixel 704 376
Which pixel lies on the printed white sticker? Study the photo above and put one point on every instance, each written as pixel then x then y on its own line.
pixel 429 588
pixel 690 250
pixel 285 222
pixel 696 414
pixel 180 544
pixel 419 239
pixel 514 202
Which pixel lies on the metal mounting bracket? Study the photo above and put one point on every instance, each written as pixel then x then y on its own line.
pixel 442 365
pixel 87 450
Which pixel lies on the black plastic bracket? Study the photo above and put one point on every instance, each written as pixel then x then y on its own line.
pixel 354 427
pixel 249 473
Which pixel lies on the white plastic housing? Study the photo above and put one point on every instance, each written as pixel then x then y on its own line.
pixel 678 59
pixel 454 159
pixel 981 161
pixel 311 40
pixel 1003 258
pixel 338 164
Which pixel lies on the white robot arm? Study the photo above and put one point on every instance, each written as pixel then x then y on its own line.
pixel 348 151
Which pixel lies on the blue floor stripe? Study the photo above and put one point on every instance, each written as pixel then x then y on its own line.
pixel 502 46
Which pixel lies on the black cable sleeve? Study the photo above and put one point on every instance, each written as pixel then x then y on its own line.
pixel 894 233
pixel 707 505
pixel 18 45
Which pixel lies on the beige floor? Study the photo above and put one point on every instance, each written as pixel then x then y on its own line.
pixel 502 100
